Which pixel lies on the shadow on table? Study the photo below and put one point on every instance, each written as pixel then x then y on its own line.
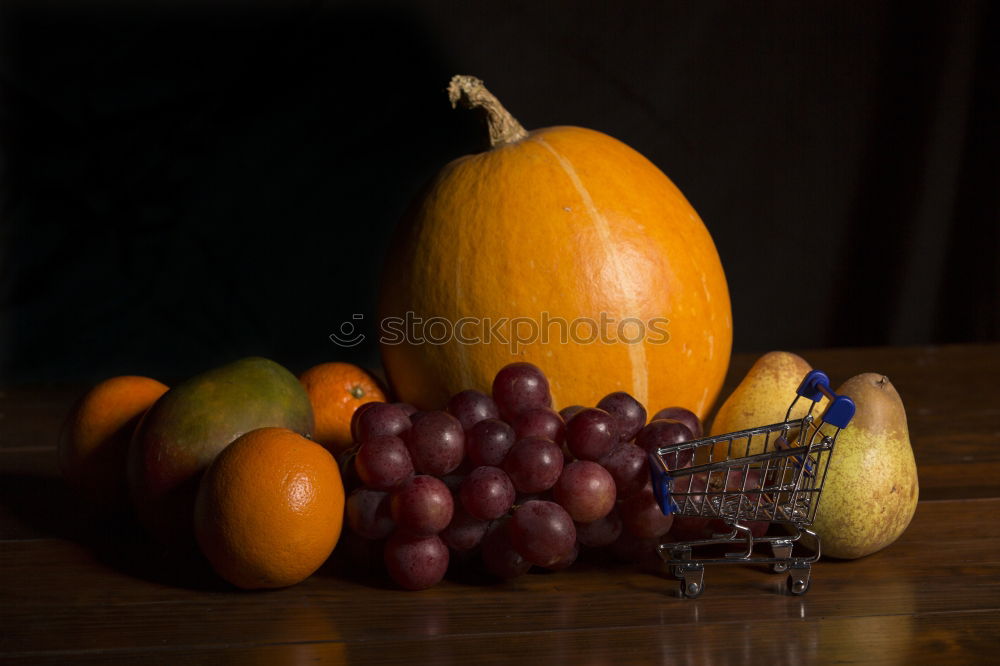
pixel 37 506
pixel 361 561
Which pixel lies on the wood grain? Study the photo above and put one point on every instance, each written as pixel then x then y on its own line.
pixel 83 588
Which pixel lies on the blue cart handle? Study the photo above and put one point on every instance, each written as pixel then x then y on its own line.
pixel 840 411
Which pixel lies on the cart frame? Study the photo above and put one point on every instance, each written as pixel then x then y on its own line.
pixel 772 474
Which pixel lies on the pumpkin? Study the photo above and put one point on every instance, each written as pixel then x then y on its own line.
pixel 562 247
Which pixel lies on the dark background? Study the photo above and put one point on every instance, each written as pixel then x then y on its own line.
pixel 188 183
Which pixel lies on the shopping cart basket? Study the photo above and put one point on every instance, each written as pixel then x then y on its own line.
pixel 772 474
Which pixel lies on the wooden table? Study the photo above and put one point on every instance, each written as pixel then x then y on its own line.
pixel 75 588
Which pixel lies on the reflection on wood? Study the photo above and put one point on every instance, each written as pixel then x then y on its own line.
pixel 77 587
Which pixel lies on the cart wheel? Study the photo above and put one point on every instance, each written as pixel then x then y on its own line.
pixel 691 589
pixel 779 567
pixel 798 587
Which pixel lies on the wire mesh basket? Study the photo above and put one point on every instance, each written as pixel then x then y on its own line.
pixel 743 481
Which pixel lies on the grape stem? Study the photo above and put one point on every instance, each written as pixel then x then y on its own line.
pixel 472 94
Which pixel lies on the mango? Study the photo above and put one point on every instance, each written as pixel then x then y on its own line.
pixel 191 423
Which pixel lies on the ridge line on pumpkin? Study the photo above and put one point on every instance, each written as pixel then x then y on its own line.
pixel 636 352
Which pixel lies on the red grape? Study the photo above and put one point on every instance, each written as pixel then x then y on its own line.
pixel 406 407
pixel 586 490
pixel 602 532
pixel 542 532
pixel 422 506
pixel 642 516
pixel 528 497
pixel 688 528
pixel 519 387
pixel 685 416
pixel 348 472
pixel 678 459
pixel 692 527
pixel 383 462
pixel 663 432
pixel 753 493
pixel 533 464
pixel 417 415
pixel 436 443
pixel 453 481
pixel 416 562
pixel 629 467
pixel 488 442
pixel 464 532
pixel 591 434
pixel 692 500
pixel 632 549
pixel 540 422
pixel 356 416
pixel 368 514
pixel 569 412
pixel 629 414
pixel 471 406
pixel 380 419
pixel 567 560
pixel 758 527
pixel 487 493
pixel 499 555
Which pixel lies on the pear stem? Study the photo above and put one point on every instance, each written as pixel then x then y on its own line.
pixel 472 94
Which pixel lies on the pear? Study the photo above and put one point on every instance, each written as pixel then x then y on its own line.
pixel 761 399
pixel 870 491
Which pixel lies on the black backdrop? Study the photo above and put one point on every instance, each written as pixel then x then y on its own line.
pixel 186 183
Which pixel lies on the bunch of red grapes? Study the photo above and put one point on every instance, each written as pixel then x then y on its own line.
pixel 509 478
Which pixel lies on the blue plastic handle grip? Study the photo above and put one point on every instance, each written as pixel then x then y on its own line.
pixel 810 386
pixel 663 485
pixel 840 412
pixel 841 408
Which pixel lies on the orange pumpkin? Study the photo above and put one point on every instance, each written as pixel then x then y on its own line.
pixel 570 229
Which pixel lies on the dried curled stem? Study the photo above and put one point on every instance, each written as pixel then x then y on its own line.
pixel 471 92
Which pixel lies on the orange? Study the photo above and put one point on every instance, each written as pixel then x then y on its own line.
pixel 597 269
pixel 269 509
pixel 336 391
pixel 93 443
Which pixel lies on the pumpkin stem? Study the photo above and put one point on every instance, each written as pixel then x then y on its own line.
pixel 471 92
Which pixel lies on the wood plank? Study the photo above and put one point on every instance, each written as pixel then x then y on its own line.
pixel 888 639
pixel 513 623
pixel 91 599
pixel 78 587
pixel 30 416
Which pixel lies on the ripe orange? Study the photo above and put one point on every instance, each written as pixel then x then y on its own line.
pixel 93 443
pixel 269 509
pixel 336 390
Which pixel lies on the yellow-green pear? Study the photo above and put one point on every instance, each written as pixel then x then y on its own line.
pixel 761 399
pixel 871 489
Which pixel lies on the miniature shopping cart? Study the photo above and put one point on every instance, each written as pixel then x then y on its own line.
pixel 740 482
